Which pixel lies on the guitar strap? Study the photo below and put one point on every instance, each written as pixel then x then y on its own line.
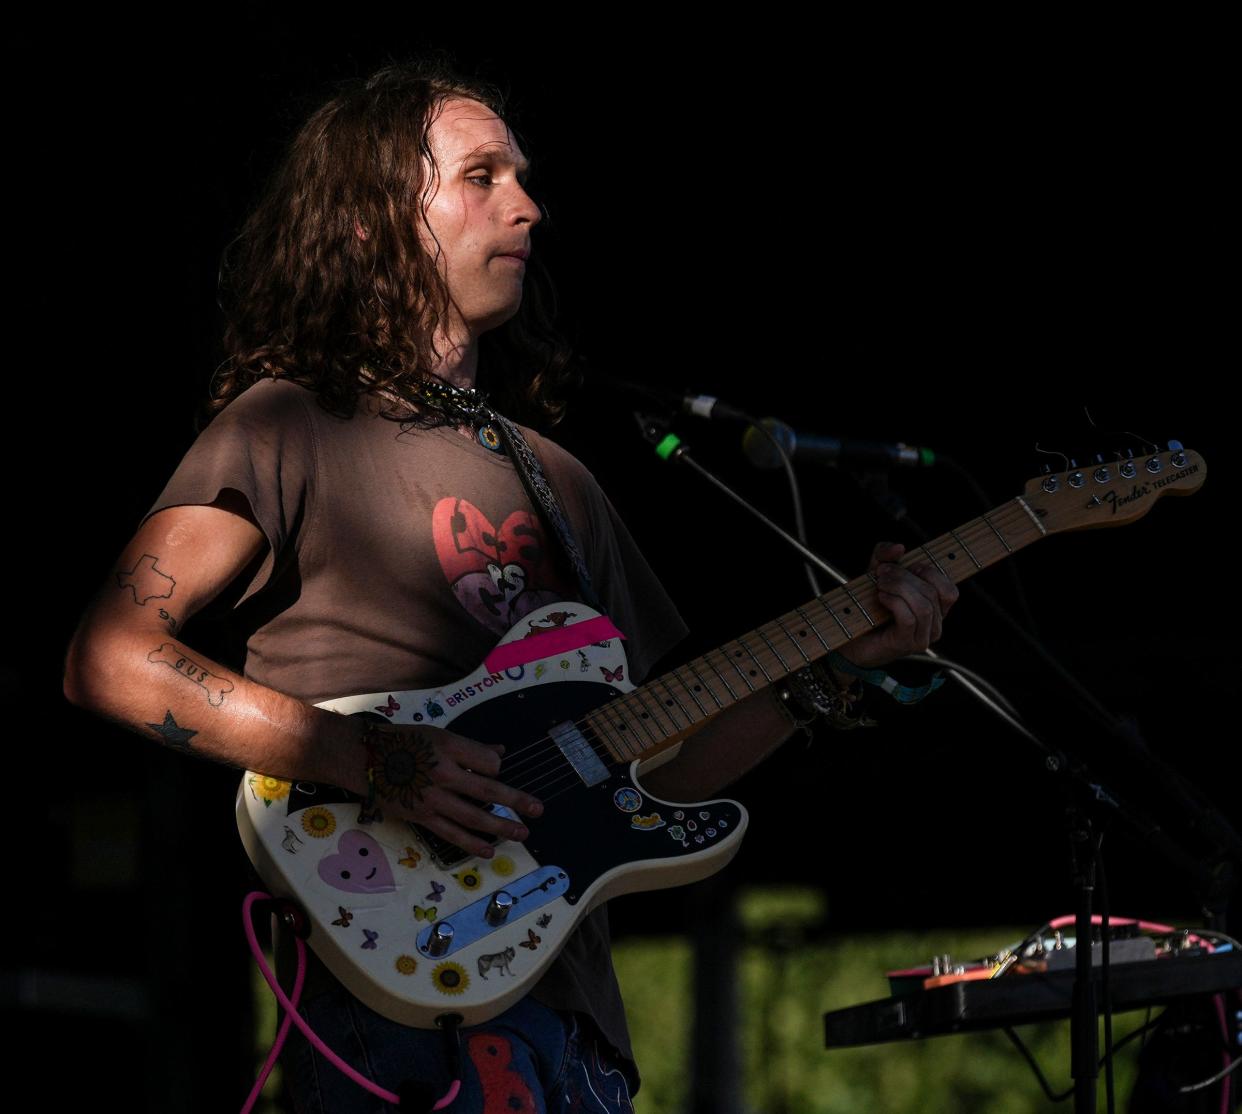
pixel 543 497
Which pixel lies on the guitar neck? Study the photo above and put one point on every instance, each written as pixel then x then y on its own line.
pixel 675 705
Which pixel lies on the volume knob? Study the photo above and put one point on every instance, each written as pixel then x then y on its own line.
pixel 499 908
pixel 441 938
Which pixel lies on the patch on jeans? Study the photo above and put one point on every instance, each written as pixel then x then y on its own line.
pixel 504 1089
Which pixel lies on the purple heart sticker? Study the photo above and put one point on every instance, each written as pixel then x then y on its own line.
pixel 358 867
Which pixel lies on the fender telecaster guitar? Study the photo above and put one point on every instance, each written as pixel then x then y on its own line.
pixel 417 929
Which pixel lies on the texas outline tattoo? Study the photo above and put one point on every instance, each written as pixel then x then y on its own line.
pixel 146 581
pixel 215 686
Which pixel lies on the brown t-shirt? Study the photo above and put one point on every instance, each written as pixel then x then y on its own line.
pixel 396 559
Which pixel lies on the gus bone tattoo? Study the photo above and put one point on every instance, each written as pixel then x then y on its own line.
pixel 215 686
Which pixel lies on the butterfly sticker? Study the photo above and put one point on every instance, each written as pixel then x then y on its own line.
pixel 371 937
pixel 291 838
pixel 421 914
pixel 540 669
pixel 545 920
pixel 389 708
pixel 437 892
pixel 411 858
pixel 345 917
pixel 532 941
pixel 370 816
pixel 617 674
pixel 584 665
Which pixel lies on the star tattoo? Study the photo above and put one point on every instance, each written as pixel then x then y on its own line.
pixel 172 734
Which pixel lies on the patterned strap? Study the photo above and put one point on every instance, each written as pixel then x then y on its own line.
pixel 542 495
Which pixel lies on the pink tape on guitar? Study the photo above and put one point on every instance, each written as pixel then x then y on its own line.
pixel 549 643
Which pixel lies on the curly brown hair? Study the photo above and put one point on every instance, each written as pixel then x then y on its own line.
pixel 307 298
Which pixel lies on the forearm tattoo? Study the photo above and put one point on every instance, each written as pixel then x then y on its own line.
pixel 173 734
pixel 399 764
pixel 173 656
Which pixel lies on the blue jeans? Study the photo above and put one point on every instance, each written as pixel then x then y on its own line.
pixel 529 1060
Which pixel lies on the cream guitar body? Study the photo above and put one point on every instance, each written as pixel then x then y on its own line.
pixel 416 929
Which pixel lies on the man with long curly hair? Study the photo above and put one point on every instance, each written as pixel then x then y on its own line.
pixel 355 503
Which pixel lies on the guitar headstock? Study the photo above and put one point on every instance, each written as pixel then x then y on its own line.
pixel 1112 493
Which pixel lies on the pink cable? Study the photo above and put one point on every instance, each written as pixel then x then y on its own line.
pixel 292 1015
pixel 283 1031
pixel 1226 1084
pixel 1145 926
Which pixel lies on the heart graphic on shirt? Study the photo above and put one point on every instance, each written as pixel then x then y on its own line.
pixel 497 574
pixel 358 867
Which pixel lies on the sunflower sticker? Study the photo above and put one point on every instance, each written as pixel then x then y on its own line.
pixel 470 878
pixel 450 978
pixel 406 964
pixel 318 822
pixel 269 789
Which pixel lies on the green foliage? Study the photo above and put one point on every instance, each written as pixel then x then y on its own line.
pixel 785 991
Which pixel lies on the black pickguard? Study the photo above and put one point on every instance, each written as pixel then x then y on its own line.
pixel 583 829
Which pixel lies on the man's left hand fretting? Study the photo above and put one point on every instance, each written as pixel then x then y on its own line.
pixel 918 598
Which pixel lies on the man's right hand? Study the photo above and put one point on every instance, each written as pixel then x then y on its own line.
pixel 437 778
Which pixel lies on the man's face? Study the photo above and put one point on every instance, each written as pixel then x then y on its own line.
pixel 478 220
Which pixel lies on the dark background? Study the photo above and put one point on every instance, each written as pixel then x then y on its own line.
pixel 968 237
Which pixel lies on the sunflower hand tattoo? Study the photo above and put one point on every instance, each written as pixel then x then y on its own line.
pixel 398 764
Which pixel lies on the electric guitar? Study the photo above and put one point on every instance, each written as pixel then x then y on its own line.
pixel 417 929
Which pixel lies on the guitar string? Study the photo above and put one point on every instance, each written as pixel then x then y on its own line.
pixel 613 719
pixel 987 529
pixel 777 627
pixel 983 529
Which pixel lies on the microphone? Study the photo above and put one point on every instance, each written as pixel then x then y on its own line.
pixel 830 450
pixel 698 406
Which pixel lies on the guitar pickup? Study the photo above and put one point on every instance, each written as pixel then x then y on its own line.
pixel 447 855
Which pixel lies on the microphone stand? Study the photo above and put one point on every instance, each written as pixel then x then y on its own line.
pixel 1089 804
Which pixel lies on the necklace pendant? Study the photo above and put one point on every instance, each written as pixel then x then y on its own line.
pixel 489 438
